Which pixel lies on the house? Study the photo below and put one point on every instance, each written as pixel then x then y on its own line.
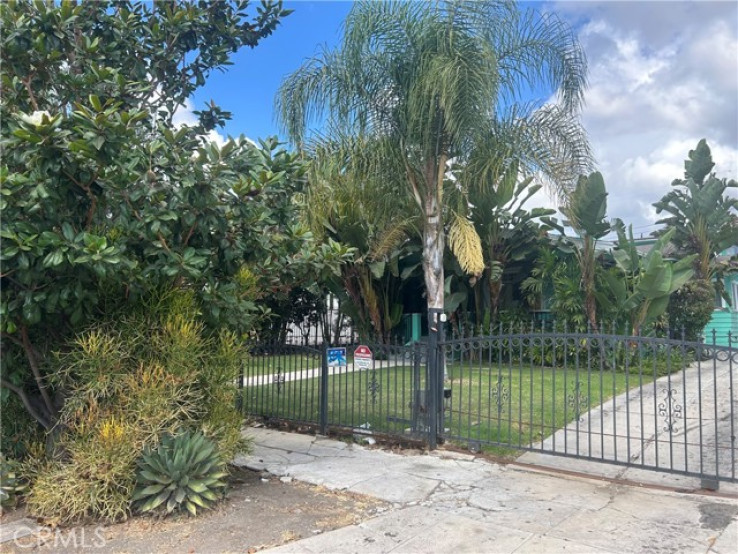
pixel 724 322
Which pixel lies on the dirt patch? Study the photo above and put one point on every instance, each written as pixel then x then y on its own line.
pixel 259 512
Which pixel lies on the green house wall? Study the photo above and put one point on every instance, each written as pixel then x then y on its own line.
pixel 725 320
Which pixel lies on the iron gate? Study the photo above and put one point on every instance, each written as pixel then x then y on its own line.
pixel 653 403
pixel 299 384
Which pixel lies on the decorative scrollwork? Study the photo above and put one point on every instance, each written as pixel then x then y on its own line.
pixel 373 387
pixel 501 394
pixel 670 410
pixel 577 400
pixel 278 379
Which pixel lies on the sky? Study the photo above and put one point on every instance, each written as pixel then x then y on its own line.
pixel 662 75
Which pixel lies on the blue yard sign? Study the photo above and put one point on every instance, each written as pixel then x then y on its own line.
pixel 337 357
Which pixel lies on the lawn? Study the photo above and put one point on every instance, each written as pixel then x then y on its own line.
pixel 513 406
pixel 518 406
pixel 281 362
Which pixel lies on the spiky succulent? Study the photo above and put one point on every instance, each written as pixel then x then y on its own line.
pixel 183 472
pixel 12 486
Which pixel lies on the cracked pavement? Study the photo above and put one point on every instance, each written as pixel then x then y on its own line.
pixel 451 501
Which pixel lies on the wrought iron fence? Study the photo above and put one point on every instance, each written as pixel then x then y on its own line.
pixel 647 402
pixel 654 403
pixel 384 395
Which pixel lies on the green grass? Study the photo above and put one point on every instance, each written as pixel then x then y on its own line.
pixel 512 406
pixel 283 363
pixel 519 406
pixel 351 401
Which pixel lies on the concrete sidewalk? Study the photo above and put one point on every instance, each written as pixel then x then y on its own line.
pixel 452 502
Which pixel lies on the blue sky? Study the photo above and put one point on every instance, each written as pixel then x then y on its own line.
pixel 662 75
pixel 248 87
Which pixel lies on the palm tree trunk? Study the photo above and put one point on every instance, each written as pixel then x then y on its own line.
pixel 433 245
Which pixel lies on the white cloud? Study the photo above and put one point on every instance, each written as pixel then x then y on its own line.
pixel 184 115
pixel 662 76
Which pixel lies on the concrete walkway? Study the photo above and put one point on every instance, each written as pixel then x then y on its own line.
pixel 450 502
pixel 292 375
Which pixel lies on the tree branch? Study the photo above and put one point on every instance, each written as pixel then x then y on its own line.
pixel 26 403
pixel 189 233
pixel 12 338
pixel 31 97
pixel 33 363
pixel 163 242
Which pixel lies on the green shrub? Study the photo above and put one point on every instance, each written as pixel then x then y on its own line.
pixel 149 372
pixel 70 493
pixel 19 429
pixel 12 485
pixel 690 308
pixel 183 472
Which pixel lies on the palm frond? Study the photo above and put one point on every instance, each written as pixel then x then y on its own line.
pixel 390 238
pixel 466 245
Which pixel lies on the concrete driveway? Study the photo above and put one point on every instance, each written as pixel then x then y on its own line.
pixel 454 502
pixel 684 422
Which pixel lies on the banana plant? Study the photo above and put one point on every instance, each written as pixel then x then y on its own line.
pixel 509 233
pixel 585 209
pixel 643 289
pixel 702 212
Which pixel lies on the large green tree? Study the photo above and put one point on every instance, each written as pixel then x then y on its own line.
pixel 641 287
pixel 103 198
pixel 702 221
pixel 509 232
pixel 417 84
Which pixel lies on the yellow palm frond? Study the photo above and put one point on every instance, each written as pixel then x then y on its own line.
pixel 466 245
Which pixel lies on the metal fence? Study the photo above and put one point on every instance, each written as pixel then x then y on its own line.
pixel 301 384
pixel 653 403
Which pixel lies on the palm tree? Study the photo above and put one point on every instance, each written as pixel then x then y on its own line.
pixel 416 84
pixel 376 221
pixel 509 233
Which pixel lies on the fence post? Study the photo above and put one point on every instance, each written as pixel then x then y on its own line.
pixel 239 398
pixel 417 425
pixel 435 376
pixel 324 391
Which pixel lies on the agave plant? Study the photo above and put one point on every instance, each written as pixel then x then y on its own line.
pixel 11 485
pixel 184 471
